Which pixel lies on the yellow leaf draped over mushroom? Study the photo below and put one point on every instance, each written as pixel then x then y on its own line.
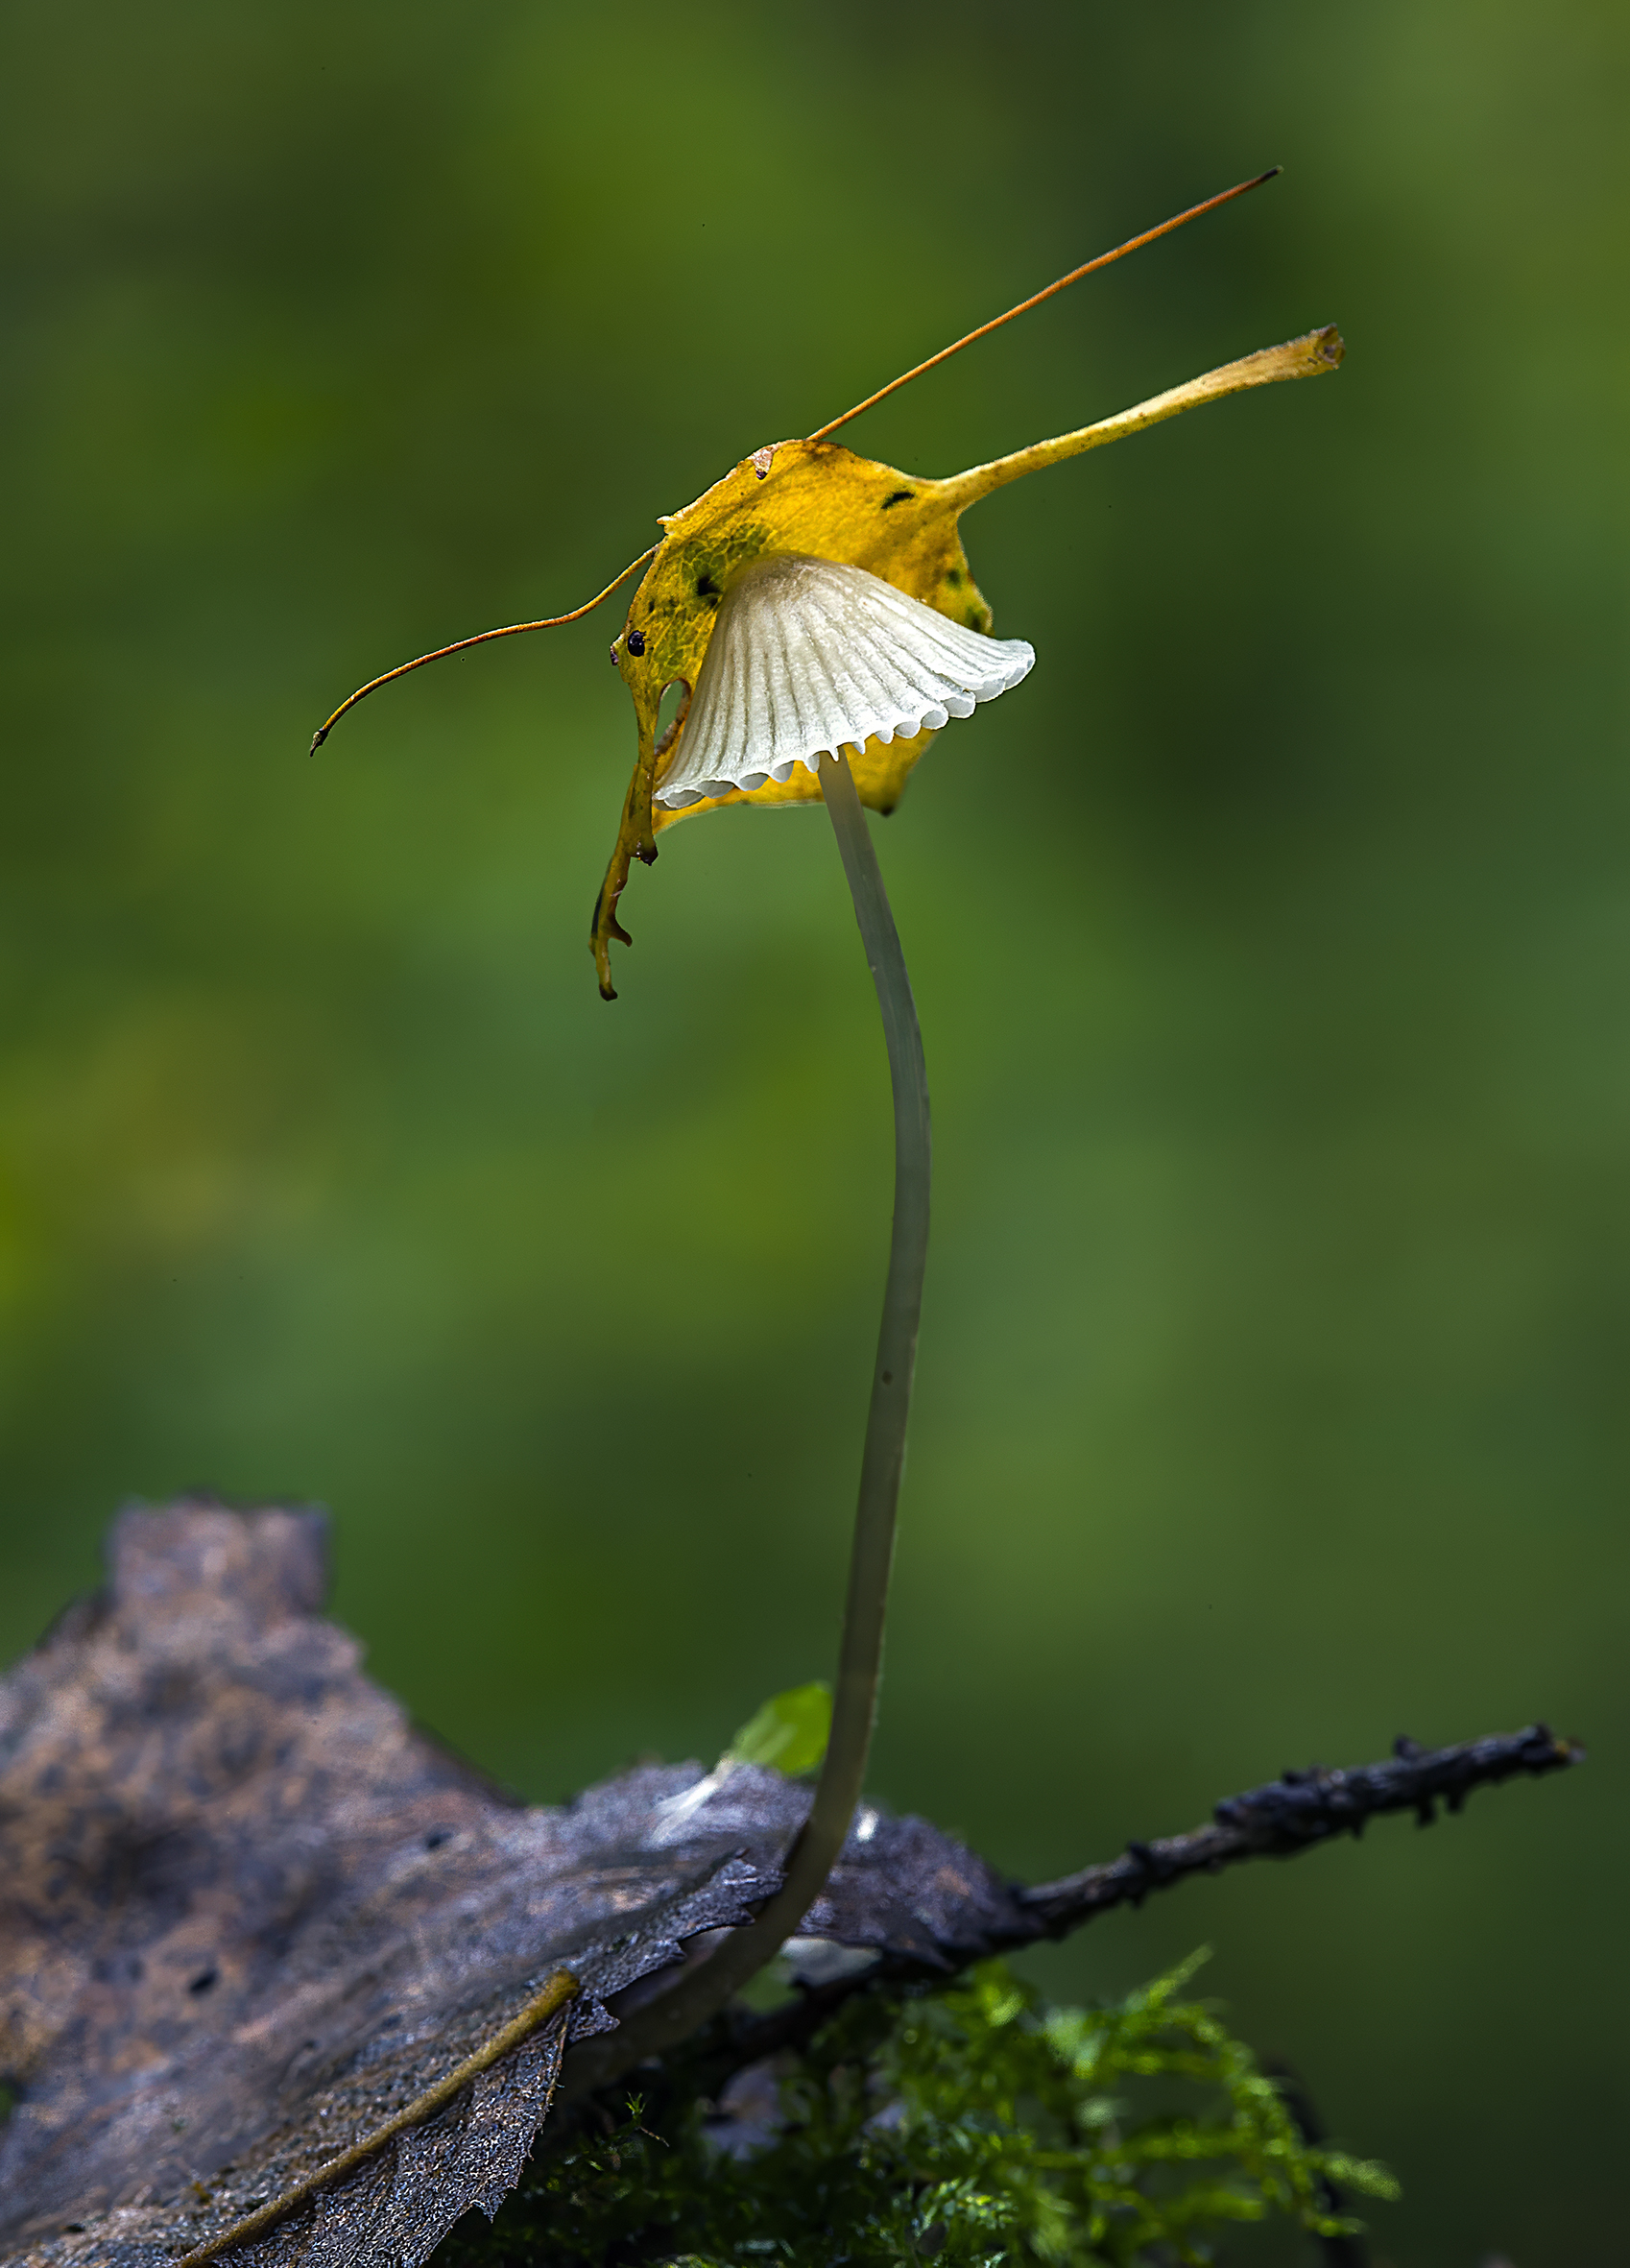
pixel 815 500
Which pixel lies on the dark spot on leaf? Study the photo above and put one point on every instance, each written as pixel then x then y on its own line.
pixel 166 1692
pixel 706 588
pixel 204 1980
pixel 901 495
pixel 953 577
pixel 636 641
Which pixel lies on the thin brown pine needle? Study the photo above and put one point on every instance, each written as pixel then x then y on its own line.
pixel 481 637
pixel 1103 260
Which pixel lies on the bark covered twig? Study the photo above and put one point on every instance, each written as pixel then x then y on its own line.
pixel 1296 1811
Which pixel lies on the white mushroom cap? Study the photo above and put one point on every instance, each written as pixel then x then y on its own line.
pixel 810 656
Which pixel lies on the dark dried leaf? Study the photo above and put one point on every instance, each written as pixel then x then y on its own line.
pixel 236 1878
pixel 250 1914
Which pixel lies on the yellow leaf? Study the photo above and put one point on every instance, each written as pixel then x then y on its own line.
pixel 816 499
pixel 808 651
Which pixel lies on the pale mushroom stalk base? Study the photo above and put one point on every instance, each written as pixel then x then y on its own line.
pixel 678 2012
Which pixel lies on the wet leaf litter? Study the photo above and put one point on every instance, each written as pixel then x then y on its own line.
pixel 258 1930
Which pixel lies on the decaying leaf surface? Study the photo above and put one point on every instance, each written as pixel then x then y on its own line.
pixel 232 1873
pixel 250 1914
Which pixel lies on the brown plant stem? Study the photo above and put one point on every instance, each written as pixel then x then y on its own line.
pixel 558 1989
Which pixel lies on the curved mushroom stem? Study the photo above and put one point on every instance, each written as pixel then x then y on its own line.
pixel 662 2022
pixel 882 1461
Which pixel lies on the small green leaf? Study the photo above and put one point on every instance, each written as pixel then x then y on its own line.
pixel 789 1731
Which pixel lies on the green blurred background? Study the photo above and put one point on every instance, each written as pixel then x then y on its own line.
pixel 1272 945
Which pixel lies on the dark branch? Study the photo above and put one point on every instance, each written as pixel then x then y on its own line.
pixel 1295 1811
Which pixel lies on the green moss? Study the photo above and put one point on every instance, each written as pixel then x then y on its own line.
pixel 969 2125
